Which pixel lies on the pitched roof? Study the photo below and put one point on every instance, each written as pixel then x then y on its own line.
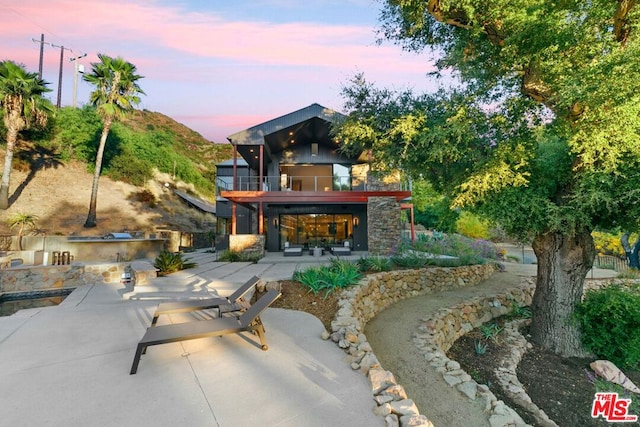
pixel 255 135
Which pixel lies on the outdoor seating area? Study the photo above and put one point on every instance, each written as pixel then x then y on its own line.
pixel 340 250
pixel 293 250
pixel 234 302
pixel 249 321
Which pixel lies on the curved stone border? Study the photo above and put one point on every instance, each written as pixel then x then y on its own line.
pixel 507 373
pixel 434 337
pixel 360 303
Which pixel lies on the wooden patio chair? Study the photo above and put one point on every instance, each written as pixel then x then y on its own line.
pixel 234 302
pixel 249 321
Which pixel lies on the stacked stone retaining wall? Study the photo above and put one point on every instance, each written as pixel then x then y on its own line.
pixel 433 338
pixel 361 303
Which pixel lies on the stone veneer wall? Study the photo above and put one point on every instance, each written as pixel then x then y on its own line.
pixel 37 278
pixel 374 293
pixel 383 224
pixel 253 243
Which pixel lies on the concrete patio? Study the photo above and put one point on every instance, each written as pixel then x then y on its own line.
pixel 69 365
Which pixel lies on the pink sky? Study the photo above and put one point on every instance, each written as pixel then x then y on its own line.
pixel 216 66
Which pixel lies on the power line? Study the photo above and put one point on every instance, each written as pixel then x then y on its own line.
pixel 62 49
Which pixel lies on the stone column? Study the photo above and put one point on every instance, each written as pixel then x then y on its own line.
pixel 384 227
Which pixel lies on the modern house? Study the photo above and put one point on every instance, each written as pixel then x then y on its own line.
pixel 289 184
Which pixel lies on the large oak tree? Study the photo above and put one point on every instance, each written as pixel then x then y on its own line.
pixel 542 134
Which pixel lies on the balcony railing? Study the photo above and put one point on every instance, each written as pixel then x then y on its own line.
pixel 295 183
pixel 308 183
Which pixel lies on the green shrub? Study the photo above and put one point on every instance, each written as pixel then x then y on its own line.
pixel 610 322
pixel 410 260
pixel 237 256
pixel 338 275
pixel 609 244
pixel 128 168
pixel 374 263
pixel 471 226
pixel 170 262
pixel 230 256
pixel 457 246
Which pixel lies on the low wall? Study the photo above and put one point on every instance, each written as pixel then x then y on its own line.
pixel 361 303
pixel 90 249
pixel 38 278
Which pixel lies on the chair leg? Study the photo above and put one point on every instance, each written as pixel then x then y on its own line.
pixel 136 359
pixel 263 343
pixel 154 320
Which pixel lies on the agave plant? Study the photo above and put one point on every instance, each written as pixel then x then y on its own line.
pixel 170 262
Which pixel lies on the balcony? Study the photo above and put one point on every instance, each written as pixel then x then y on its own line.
pixel 307 189
pixel 294 183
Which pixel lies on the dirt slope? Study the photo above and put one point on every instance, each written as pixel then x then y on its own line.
pixel 60 198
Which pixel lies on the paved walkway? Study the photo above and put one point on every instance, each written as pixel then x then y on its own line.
pixel 69 365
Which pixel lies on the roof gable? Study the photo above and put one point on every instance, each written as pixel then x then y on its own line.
pixel 255 135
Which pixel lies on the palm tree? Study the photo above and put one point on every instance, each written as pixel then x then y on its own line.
pixel 23 107
pixel 22 220
pixel 116 92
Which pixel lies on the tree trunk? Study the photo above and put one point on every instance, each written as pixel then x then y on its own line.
pixel 563 262
pixel 91 218
pixel 631 252
pixel 12 136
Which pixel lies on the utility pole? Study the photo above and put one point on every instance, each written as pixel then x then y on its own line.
pixel 41 41
pixel 75 76
pixel 62 49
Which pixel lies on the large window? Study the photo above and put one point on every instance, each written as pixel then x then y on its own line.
pixel 310 230
pixel 327 177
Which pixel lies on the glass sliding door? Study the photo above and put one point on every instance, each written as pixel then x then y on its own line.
pixel 311 230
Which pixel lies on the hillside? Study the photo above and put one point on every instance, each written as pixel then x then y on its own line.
pixel 58 190
pixel 60 198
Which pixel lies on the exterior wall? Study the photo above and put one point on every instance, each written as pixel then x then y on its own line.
pixel 302 155
pixel 247 243
pixel 243 215
pixel 384 226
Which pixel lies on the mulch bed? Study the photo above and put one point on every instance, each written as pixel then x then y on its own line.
pixel 558 385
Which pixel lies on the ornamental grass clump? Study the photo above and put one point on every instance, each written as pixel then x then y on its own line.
pixel 375 264
pixel 338 275
pixel 170 262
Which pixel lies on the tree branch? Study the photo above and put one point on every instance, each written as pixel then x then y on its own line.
pixel 621 27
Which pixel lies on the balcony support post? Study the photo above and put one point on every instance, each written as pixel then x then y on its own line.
pixel 261 186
